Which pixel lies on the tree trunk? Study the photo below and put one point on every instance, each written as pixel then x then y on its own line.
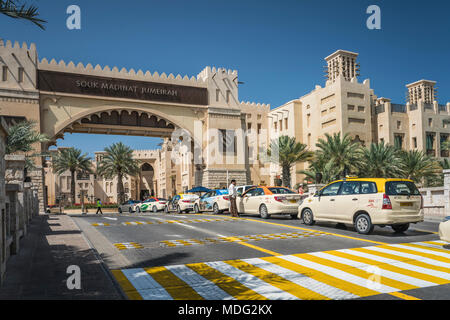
pixel 120 193
pixel 72 186
pixel 286 176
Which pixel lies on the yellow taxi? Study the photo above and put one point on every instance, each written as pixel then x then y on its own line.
pixel 265 201
pixel 364 203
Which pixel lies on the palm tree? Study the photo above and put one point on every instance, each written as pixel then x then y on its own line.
pixel 319 165
pixel 118 162
pixel 16 10
pixel 380 161
pixel 21 138
pixel 286 152
pixel 342 153
pixel 71 159
pixel 419 167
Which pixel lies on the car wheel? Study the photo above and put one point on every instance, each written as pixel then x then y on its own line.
pixel 130 210
pixel 399 228
pixel 138 209
pixel 196 209
pixel 178 209
pixel 166 209
pixel 120 210
pixel 308 217
pixel 263 212
pixel 363 224
pixel 155 209
pixel 216 209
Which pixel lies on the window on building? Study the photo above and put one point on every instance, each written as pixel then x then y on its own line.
pixel 275 125
pixel 350 107
pixel 308 119
pixel 430 122
pixel 399 124
pixel 20 76
pixel 259 128
pixel 249 127
pixel 309 139
pixel 361 108
pixel 398 141
pixel 429 142
pixel 414 142
pixel 259 117
pixel 4 73
pixel 281 125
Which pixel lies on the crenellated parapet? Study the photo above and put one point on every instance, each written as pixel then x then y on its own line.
pixel 253 105
pixel 122 73
pixel 222 86
pixel 18 65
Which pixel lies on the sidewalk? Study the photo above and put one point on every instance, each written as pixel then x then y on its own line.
pixel 53 243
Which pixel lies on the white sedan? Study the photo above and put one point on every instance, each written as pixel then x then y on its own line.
pixel 444 230
pixel 153 204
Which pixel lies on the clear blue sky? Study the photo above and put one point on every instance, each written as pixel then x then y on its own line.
pixel 277 46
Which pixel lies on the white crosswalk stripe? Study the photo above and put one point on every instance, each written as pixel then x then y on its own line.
pixel 315 275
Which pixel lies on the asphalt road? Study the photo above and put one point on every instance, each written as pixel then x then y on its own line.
pixel 180 256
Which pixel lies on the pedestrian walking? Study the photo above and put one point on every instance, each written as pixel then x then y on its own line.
pixel 232 192
pixel 99 207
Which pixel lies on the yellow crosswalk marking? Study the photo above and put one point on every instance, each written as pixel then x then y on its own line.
pixel 226 283
pixel 323 277
pixel 417 253
pixel 402 259
pixel 277 281
pixel 425 247
pixel 414 274
pixel 355 271
pixel 437 243
pixel 177 288
pixel 403 296
pixel 126 285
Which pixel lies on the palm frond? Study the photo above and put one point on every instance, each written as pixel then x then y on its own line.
pixel 15 10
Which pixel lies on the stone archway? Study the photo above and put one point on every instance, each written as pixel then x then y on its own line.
pixel 146 186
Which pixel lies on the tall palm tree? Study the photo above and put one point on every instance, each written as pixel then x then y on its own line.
pixel 15 9
pixel 118 162
pixel 21 138
pixel 419 167
pixel 286 152
pixel 320 165
pixel 380 161
pixel 342 152
pixel 71 159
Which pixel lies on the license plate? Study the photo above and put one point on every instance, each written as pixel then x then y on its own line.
pixel 405 204
pixel 293 201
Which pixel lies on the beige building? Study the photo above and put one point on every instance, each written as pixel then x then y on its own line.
pixel 209 135
pixel 348 106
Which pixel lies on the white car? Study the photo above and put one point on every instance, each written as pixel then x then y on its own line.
pixel 444 230
pixel 183 202
pixel 216 201
pixel 265 201
pixel 151 204
pixel 240 190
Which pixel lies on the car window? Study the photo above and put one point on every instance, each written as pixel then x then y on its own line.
pixel 401 188
pixel 259 192
pixel 331 190
pixel 350 187
pixel 251 192
pixel 281 191
pixel 221 192
pixel 368 187
pixel 239 191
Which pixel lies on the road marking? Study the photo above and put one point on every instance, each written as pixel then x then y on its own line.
pixel 109 218
pixel 100 224
pixel 403 296
pixel 128 245
pixel 426 231
pixel 225 239
pixel 335 274
pixel 312 230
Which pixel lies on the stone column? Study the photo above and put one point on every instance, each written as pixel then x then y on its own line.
pixel 14 176
pixel 447 191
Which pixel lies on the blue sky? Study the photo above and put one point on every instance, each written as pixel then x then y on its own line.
pixel 277 46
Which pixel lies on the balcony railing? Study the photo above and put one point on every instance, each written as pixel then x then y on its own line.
pixel 431 152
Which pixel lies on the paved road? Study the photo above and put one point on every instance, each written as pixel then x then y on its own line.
pixel 188 256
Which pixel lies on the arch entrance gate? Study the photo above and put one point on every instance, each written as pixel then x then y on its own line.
pixel 201 114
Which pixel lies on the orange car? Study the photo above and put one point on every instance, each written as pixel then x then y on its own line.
pixel 264 200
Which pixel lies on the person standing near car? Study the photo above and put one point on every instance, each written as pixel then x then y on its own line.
pixel 99 206
pixel 232 192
